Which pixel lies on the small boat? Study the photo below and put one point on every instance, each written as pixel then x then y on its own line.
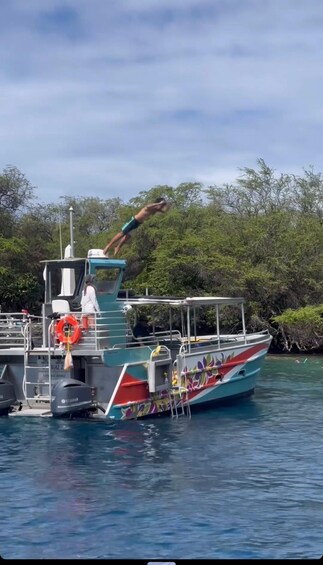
pixel 55 365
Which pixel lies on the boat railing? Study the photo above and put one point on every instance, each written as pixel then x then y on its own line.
pixel 18 330
pixel 111 330
pixel 224 341
pixel 97 331
pixel 168 338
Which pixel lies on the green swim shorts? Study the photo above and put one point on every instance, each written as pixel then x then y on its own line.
pixel 132 224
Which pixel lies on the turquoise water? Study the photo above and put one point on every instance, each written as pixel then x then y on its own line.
pixel 243 481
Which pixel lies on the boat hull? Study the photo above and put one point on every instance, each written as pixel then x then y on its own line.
pixel 206 379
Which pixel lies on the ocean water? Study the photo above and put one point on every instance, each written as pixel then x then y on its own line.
pixel 240 481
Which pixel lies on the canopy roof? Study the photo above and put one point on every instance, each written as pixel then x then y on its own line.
pixel 196 301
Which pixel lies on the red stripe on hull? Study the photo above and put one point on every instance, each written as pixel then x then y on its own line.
pixel 131 389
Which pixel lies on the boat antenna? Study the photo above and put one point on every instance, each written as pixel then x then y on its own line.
pixel 72 231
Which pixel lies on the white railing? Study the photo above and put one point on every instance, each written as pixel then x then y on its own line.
pixel 152 340
pixel 223 341
pixel 110 330
pixel 19 330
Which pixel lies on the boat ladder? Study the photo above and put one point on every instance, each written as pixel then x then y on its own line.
pixel 179 401
pixel 37 377
pixel 36 382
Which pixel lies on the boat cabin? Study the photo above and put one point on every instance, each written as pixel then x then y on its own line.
pixel 64 282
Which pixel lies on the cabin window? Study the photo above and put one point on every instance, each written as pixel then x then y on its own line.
pixel 106 280
pixel 66 281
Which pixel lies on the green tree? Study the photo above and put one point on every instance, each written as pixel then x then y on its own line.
pixel 301 329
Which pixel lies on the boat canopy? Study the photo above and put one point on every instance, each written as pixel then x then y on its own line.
pixel 197 301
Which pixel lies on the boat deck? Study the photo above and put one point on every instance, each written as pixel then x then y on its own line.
pixel 26 411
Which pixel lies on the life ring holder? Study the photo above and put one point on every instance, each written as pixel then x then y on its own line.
pixel 69 338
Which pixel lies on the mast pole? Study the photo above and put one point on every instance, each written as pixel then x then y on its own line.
pixel 71 231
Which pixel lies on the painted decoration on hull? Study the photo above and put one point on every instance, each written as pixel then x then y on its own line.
pixel 209 372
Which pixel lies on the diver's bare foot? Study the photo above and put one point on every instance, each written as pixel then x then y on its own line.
pixel 106 253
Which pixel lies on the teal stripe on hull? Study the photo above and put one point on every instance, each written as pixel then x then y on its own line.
pixel 234 387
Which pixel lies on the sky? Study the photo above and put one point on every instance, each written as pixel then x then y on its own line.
pixel 108 98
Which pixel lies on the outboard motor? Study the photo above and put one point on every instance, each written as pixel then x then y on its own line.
pixel 71 397
pixel 7 397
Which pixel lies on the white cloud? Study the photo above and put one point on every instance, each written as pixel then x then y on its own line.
pixel 110 98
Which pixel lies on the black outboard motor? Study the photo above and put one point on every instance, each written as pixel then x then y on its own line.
pixel 7 397
pixel 71 397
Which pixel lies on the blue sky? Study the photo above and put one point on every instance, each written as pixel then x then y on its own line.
pixel 107 98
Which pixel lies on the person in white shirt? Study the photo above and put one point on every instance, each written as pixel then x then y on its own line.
pixel 89 303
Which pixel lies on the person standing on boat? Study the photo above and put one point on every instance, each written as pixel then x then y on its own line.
pixel 89 303
pixel 160 205
pixel 141 330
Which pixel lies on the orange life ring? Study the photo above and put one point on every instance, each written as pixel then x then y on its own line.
pixel 66 337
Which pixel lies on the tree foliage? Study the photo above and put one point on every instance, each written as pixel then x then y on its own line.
pixel 302 329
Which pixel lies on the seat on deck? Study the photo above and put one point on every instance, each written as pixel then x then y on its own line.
pixel 60 306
